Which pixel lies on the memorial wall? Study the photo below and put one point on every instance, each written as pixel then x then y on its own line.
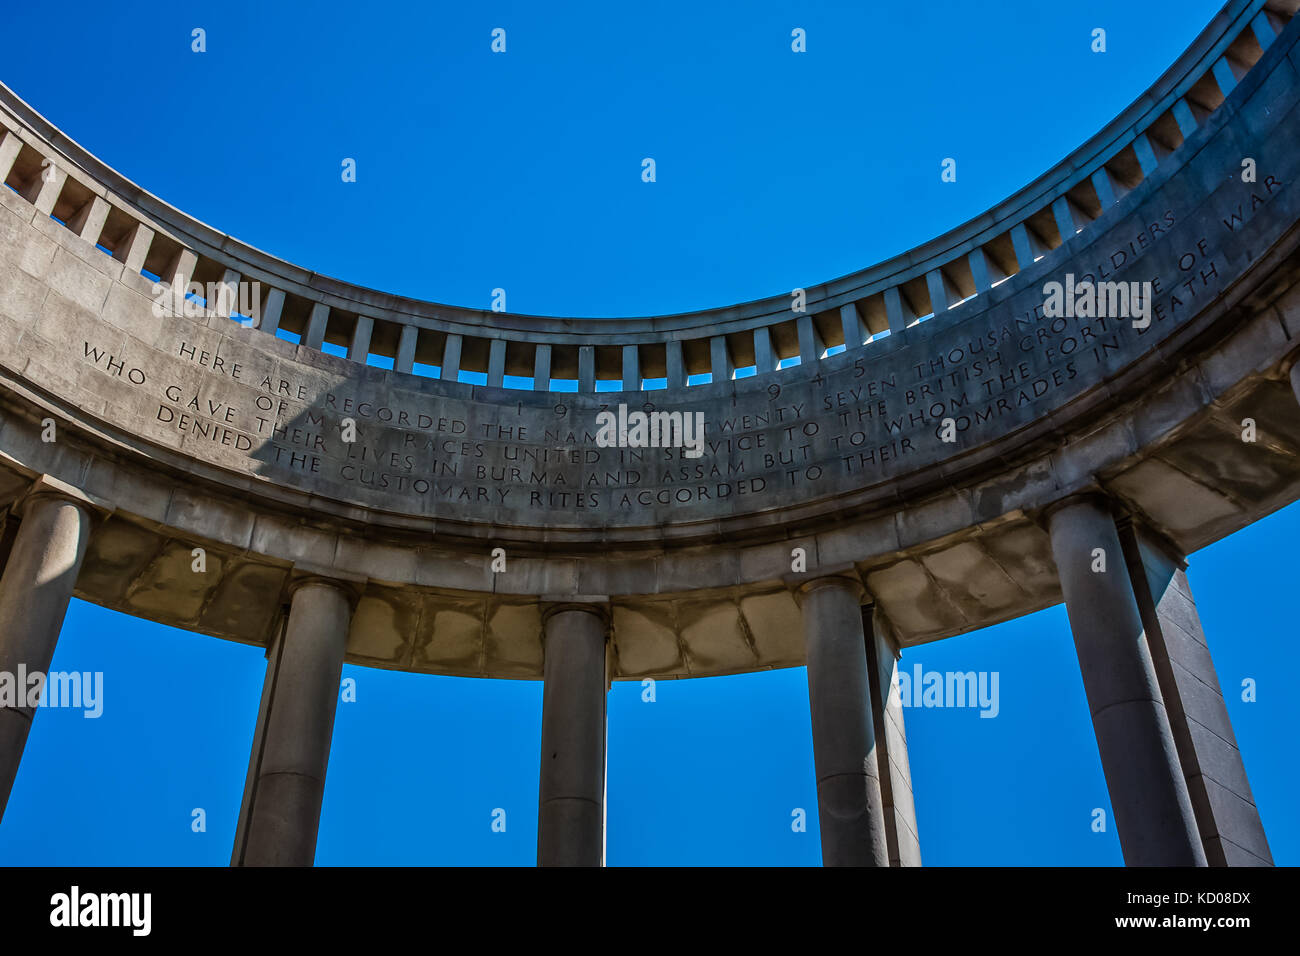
pixel 891 438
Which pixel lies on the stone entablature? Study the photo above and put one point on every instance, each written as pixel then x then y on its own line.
pixel 854 311
pixel 200 431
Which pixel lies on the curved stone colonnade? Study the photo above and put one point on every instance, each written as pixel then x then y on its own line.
pixel 826 518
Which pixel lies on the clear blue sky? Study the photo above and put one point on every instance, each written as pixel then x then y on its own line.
pixel 522 171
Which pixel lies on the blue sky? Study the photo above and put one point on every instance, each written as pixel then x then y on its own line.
pixel 522 171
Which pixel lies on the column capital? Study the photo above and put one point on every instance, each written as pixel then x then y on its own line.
pixel 47 486
pixel 594 604
pixel 306 575
pixel 1094 495
pixel 846 578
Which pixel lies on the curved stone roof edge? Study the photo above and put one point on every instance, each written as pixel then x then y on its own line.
pixel 911 264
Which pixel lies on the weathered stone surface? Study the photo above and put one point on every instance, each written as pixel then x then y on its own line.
pixel 451 638
pixel 383 623
pixel 514 640
pixel 1148 789
pixel 169 585
pixel 646 642
pixel 286 781
pixel 849 802
pixel 571 788
pixel 202 433
pixel 35 590
pixel 716 638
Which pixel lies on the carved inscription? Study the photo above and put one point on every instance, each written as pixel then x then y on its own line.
pixel 858 419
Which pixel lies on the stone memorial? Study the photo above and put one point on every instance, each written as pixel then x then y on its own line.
pixel 1104 363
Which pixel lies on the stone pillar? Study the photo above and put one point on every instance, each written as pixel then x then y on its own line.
pixel 34 593
pixel 978 260
pixel 631 368
pixel 891 740
pixel 133 248
pixel 898 310
pixel 449 370
pixel 1104 184
pixel 359 347
pixel 571 789
pixel 721 367
pixel 849 805
pixel 1226 816
pixel 855 332
pixel 496 373
pixel 765 357
pixel 938 289
pixel 44 193
pixel 405 359
pixel 811 346
pixel 89 221
pixel 1064 217
pixel 10 145
pixel 291 745
pixel 270 318
pixel 1146 154
pixel 1026 246
pixel 317 326
pixel 542 369
pixel 674 364
pixel 1153 813
pixel 1184 117
pixel 586 368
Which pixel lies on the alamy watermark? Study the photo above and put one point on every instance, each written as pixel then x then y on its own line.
pixel 923 688
pixel 241 301
pixel 74 689
pixel 74 909
pixel 1099 300
pixel 651 430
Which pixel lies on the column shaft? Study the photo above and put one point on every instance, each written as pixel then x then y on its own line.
pixel 891 741
pixel 291 746
pixel 849 805
pixel 571 790
pixel 1226 816
pixel 1153 813
pixel 34 593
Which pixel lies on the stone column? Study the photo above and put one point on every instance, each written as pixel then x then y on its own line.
pixel 849 804
pixel 891 740
pixel 295 725
pixel 1226 816
pixel 1153 813
pixel 34 593
pixel 571 789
